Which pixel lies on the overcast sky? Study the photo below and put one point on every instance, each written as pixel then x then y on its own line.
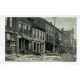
pixel 63 22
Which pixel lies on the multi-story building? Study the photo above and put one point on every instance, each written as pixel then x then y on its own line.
pixel 10 35
pixel 70 41
pixel 24 35
pixel 32 35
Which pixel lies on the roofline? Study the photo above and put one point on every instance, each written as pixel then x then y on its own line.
pixel 51 25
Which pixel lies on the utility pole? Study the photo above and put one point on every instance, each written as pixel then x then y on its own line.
pixel 54 19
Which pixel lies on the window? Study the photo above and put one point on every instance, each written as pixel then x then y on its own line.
pixel 10 21
pixel 43 35
pixel 25 27
pixel 59 36
pixel 12 44
pixel 34 32
pixel 8 36
pixel 6 21
pixel 28 27
pixel 34 46
pixel 19 25
pixel 39 34
pixel 13 37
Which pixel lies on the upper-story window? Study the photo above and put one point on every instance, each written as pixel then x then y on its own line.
pixel 39 34
pixel 29 27
pixel 25 27
pixel 8 36
pixel 19 25
pixel 34 32
pixel 43 35
pixel 51 29
pixel 60 37
pixel 11 22
pixel 6 21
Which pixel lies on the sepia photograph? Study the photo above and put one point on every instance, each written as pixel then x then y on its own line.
pixel 40 39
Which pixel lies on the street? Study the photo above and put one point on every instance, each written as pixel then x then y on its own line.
pixel 36 58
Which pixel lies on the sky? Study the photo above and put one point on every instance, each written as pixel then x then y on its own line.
pixel 68 23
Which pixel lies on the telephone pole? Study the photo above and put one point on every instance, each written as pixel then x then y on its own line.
pixel 54 19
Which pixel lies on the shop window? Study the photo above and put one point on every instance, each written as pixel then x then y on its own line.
pixel 34 46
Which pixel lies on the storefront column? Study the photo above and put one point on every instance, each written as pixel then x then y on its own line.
pixel 23 44
pixel 17 45
pixel 33 46
pixel 36 46
pixel 44 47
pixel 39 47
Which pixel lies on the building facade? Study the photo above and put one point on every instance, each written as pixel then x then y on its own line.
pixel 32 35
pixel 23 35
